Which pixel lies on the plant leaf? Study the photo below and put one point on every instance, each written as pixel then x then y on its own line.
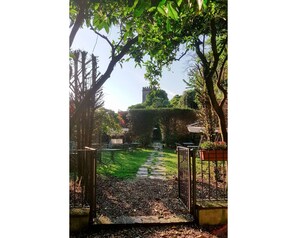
pixel 179 2
pixel 151 9
pixel 161 3
pixel 162 10
pixel 168 26
pixel 205 3
pixel 106 27
pixel 172 12
pixel 141 7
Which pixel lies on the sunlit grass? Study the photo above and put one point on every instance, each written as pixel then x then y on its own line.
pixel 125 164
pixel 170 161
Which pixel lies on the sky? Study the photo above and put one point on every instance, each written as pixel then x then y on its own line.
pixel 124 87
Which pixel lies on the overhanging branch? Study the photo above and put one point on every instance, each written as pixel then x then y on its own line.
pixel 99 83
pixel 105 38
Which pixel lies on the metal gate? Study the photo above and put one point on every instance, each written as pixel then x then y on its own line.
pixel 187 177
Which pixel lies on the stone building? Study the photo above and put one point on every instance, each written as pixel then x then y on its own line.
pixel 145 92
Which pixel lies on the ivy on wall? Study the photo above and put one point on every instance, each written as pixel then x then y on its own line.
pixel 172 122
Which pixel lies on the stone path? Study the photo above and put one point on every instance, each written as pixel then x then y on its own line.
pixel 154 167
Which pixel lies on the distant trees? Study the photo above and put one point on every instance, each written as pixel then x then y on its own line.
pixel 175 101
pixel 107 123
pixel 157 99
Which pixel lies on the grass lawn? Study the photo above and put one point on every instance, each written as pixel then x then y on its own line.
pixel 170 161
pixel 125 165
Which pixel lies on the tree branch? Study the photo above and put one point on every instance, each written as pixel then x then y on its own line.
pixel 105 38
pixel 219 82
pixel 201 55
pixel 101 80
pixel 82 4
pixel 182 55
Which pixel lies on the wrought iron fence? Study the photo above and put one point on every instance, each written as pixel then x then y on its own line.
pixel 212 181
pixel 186 177
pixel 201 179
pixel 82 179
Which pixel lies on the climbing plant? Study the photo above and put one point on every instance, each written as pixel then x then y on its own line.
pixel 172 121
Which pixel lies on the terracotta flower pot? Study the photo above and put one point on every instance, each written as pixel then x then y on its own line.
pixel 213 155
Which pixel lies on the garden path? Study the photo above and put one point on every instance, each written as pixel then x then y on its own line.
pixel 154 167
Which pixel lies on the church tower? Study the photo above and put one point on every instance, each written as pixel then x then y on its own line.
pixel 145 92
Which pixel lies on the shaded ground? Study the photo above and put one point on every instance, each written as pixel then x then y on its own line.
pixel 146 197
pixel 139 197
pixel 168 231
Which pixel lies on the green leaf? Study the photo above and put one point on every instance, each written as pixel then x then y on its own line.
pixel 106 27
pixel 151 9
pixel 172 12
pixel 205 3
pixel 179 2
pixel 156 40
pixel 141 7
pixel 72 12
pixel 134 5
pixel 162 3
pixel 162 10
pixel 168 25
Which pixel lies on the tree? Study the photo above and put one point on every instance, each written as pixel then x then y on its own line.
pixel 157 99
pixel 174 102
pixel 205 111
pixel 187 100
pixel 83 74
pixel 97 17
pixel 106 123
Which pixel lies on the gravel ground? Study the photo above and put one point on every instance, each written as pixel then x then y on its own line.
pixel 139 197
pixel 167 231
pixel 146 197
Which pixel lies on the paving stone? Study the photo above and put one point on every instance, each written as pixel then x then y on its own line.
pixel 153 168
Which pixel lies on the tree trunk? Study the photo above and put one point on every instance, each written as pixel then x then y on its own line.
pixel 217 108
pixel 78 21
pixel 99 83
pixel 209 72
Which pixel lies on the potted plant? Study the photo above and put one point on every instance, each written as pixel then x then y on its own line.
pixel 214 151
